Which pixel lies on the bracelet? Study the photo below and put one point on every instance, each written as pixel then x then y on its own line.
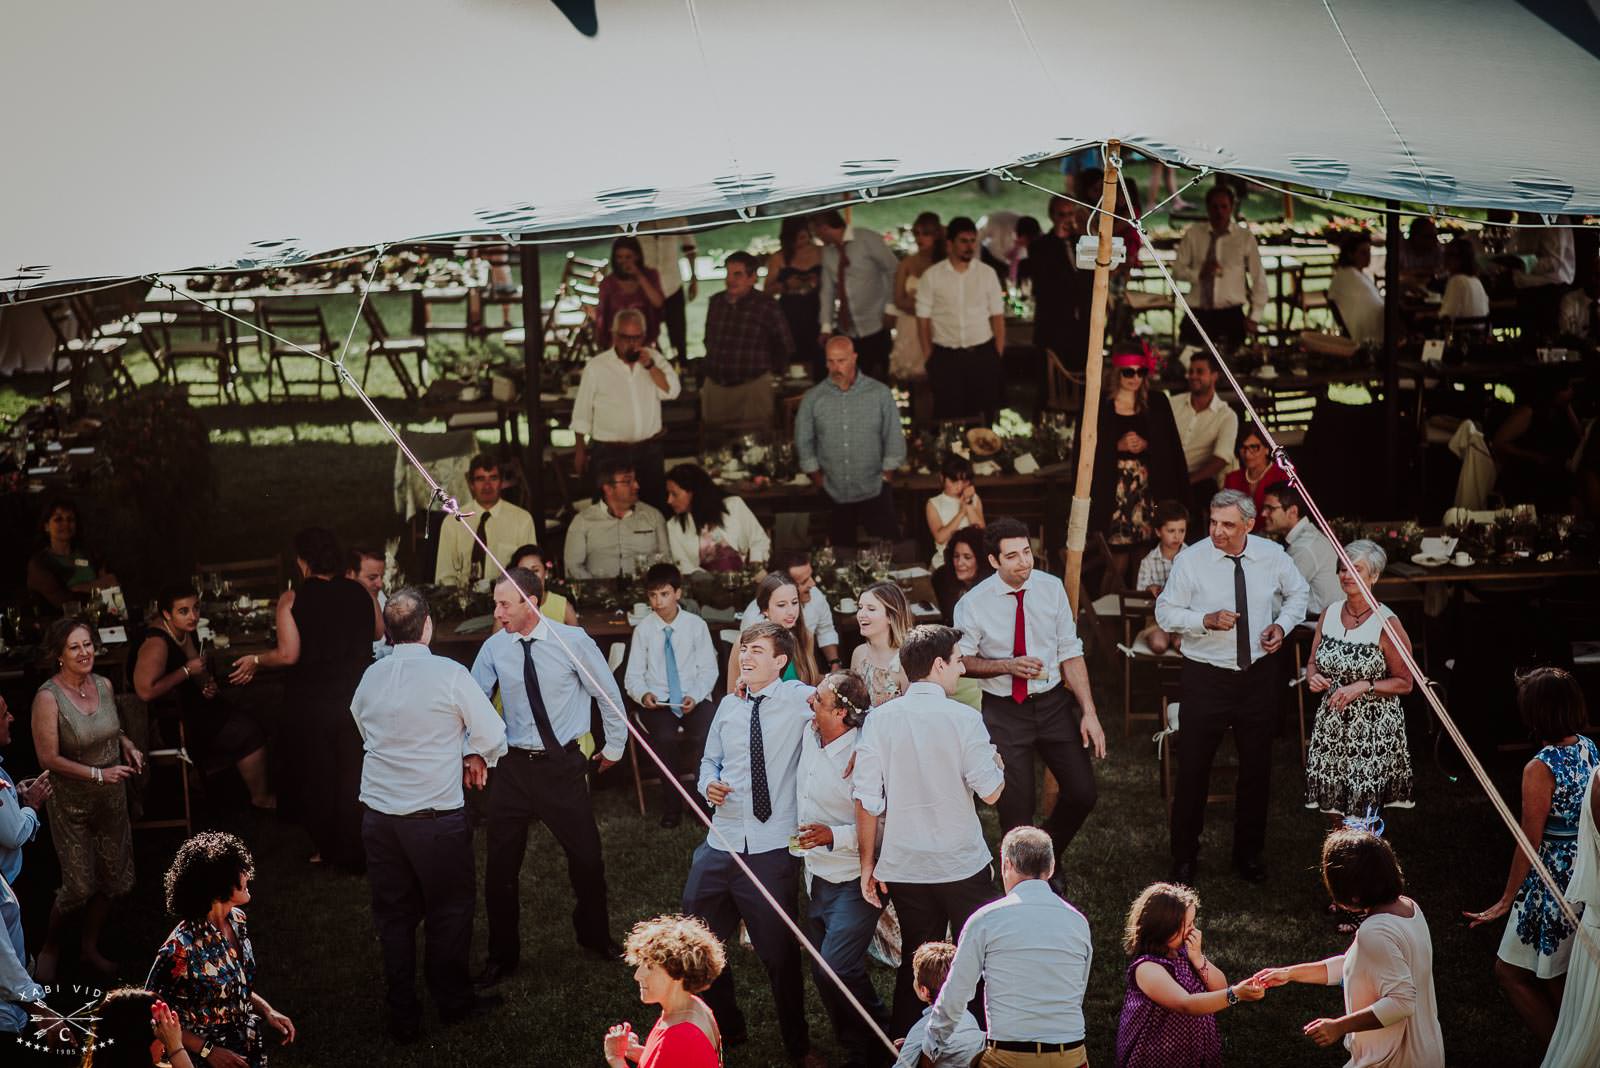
pixel 1233 998
pixel 99 776
pixel 255 659
pixel 185 668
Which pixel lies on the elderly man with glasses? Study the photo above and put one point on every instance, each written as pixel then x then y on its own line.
pixel 617 415
pixel 618 534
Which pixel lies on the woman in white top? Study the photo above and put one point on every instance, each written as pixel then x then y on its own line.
pixel 955 508
pixel 1391 1015
pixel 709 530
pixel 884 616
pixel 1354 294
pixel 1577 1037
pixel 1464 295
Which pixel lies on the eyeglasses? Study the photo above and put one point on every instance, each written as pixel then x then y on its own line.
pixel 1252 448
pixel 1134 372
pixel 628 337
pixel 627 480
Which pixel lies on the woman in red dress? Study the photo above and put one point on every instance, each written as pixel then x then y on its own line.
pixel 674 958
pixel 1257 471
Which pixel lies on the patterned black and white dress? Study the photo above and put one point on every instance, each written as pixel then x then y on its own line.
pixel 1358 758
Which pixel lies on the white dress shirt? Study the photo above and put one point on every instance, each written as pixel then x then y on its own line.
pixel 826 796
pixel 961 1050
pixel 1210 432
pixel 1555 257
pixel 501 662
pixel 960 303
pixel 509 529
pixel 816 613
pixel 986 616
pixel 619 401
pixel 1202 582
pixel 785 717
pixel 663 254
pixel 1464 298
pixel 1318 562
pixel 1360 305
pixel 418 715
pixel 739 530
pixel 1241 268
pixel 1032 951
pixel 691 646
pixel 920 760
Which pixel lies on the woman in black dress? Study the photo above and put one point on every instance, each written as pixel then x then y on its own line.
pixel 326 628
pixel 173 679
pixel 794 273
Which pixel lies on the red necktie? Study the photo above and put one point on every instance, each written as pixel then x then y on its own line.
pixel 1019 647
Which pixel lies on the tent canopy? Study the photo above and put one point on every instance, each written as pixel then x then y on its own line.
pixel 223 133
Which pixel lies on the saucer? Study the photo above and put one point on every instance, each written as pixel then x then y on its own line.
pixel 1468 563
pixel 1429 560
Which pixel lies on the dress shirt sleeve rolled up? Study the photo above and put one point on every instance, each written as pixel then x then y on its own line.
pixel 963 621
pixel 866 778
pixel 674 383
pixel 893 437
pixel 925 288
pixel 1068 645
pixel 993 298
pixel 711 756
pixel 805 433
pixel 959 986
pixel 1296 593
pixel 485 730
pixel 1259 294
pixel 583 405
pixel 1174 608
pixel 979 770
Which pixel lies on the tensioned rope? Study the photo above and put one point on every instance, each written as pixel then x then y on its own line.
pixel 452 508
pixel 1281 456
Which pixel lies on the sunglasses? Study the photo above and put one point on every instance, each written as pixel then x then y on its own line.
pixel 1134 372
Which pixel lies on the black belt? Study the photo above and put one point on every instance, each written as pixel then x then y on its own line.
pixel 570 747
pixel 1034 1047
pixel 969 348
pixel 427 814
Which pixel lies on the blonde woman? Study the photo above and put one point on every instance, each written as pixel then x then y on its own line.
pixel 778 600
pixel 884 616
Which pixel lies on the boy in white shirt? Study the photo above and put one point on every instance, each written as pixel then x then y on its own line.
pixel 672 669
pixel 931 965
pixel 1172 527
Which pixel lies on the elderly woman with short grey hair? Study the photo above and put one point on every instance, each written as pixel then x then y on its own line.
pixel 1359 761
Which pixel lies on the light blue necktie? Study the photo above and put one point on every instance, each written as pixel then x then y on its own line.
pixel 674 683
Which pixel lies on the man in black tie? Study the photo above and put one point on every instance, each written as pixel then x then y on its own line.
pixel 1233 598
pixel 546 673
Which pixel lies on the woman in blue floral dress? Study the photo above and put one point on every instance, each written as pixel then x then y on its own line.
pixel 1532 963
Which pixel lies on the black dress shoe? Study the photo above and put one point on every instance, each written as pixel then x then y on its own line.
pixel 671 819
pixel 611 950
pixel 1251 870
pixel 478 1004
pixel 1183 872
pixel 493 972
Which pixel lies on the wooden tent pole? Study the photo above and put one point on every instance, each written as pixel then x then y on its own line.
pixel 1078 524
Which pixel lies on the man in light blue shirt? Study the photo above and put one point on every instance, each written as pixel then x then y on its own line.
pixel 546 673
pixel 749 774
pixel 20 996
pixel 848 439
pixel 19 807
pixel 1032 951
pixel 857 286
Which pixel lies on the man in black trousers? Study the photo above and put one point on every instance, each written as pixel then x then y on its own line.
pixel 418 714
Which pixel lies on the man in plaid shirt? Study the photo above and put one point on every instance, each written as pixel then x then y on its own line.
pixel 747 339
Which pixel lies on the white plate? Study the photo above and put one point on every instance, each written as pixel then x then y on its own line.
pixel 1429 560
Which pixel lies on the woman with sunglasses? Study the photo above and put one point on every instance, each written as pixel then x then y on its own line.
pixel 1138 459
pixel 1257 471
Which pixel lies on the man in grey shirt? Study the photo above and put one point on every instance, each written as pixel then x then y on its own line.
pixel 618 533
pixel 1032 951
pixel 847 437
pixel 857 286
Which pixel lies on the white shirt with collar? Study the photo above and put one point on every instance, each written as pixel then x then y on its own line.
pixel 785 717
pixel 826 796
pixel 1210 432
pixel 960 304
pixel 986 616
pixel 509 529
pixel 691 646
pixel 1555 256
pixel 1360 304
pixel 1242 278
pixel 619 401
pixel 1318 562
pixel 418 715
pixel 663 253
pixel 817 614
pixel 740 530
pixel 920 760
pixel 1202 582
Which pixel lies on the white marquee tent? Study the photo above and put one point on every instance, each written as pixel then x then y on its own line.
pixel 155 137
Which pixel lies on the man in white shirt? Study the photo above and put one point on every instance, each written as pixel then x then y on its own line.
pixel 1541 283
pixel 672 669
pixel 842 921
pixel 918 765
pixel 1233 597
pixel 618 408
pixel 664 253
pixel 749 775
pixel 461 560
pixel 1220 261
pixel 856 288
pixel 961 321
pixel 1208 427
pixel 814 607
pixel 612 535
pixel 1019 637
pixel 1032 951
pixel 1283 509
pixel 1353 293
pixel 426 728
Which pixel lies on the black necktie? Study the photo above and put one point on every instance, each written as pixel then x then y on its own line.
pixel 760 795
pixel 1241 605
pixel 477 549
pixel 541 717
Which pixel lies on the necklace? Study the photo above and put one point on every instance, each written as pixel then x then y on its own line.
pixel 82 688
pixel 1357 617
pixel 1258 478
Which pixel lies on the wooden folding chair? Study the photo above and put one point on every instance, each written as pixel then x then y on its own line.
pixel 305 326
pixel 190 332
pixel 172 753
pixel 79 345
pixel 392 349
pixel 1134 608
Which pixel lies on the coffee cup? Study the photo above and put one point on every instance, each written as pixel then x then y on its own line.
pixel 847 606
pixel 640 608
pixel 1462 558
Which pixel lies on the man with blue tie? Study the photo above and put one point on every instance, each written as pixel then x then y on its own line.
pixel 546 673
pixel 749 774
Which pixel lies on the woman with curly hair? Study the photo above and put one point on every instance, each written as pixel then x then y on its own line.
pixel 206 969
pixel 674 958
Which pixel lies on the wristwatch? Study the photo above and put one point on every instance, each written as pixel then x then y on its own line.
pixel 206 1047
pixel 1233 999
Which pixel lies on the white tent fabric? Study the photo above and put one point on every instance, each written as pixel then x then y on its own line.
pixel 147 138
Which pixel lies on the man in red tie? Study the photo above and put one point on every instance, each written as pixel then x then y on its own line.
pixel 1018 635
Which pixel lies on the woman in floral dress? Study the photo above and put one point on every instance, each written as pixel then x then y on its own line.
pixel 1358 761
pixel 1532 964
